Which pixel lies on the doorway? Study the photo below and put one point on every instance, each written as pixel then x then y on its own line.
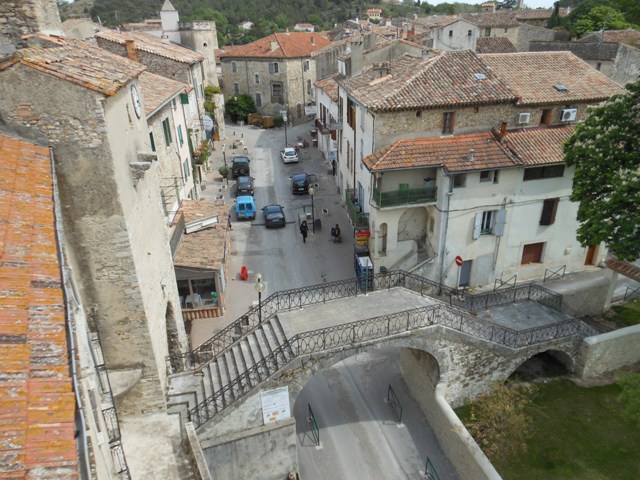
pixel 465 273
pixel 592 255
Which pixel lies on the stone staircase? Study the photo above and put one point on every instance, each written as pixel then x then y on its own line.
pixel 232 373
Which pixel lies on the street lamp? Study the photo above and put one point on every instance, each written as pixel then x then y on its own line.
pixel 312 191
pixel 224 156
pixel 283 114
pixel 259 286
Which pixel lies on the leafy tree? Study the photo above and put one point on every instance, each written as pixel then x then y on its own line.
pixel 507 5
pixel 598 17
pixel 240 106
pixel 498 422
pixel 606 154
pixel 630 396
pixel 282 21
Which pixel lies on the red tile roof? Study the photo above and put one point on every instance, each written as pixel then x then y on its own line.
pixel 452 153
pixel 157 90
pixel 329 86
pixel 37 403
pixel 286 45
pixel 495 45
pixel 539 146
pixel 533 76
pixel 146 42
pixel 81 63
pixel 414 83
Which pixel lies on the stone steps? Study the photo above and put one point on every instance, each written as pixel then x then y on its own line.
pixel 232 373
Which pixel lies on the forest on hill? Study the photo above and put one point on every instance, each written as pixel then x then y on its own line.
pixel 277 15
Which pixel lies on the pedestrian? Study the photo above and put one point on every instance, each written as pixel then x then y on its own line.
pixel 333 167
pixel 304 230
pixel 335 234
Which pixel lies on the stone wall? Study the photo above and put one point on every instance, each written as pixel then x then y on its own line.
pixel 627 65
pixel 21 18
pixel 608 352
pixel 530 33
pixel 456 442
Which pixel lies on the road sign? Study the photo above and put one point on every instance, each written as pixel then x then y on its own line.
pixel 459 261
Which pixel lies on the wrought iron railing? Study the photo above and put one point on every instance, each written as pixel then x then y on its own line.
pixel 407 196
pixel 510 282
pixel 299 297
pixel 355 333
pixel 558 272
pixel 631 292
pixel 357 216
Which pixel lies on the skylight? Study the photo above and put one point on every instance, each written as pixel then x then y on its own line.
pixel 480 76
pixel 560 87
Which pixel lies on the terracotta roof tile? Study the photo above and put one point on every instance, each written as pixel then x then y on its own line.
pixel 329 86
pixel 498 19
pixel 534 14
pixel 539 146
pixel 81 63
pixel 287 45
pixel 413 83
pixel 146 42
pixel 205 248
pixel 533 76
pixel 157 90
pixel 451 153
pixel 495 45
pixel 37 403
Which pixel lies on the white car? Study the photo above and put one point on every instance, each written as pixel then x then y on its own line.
pixel 289 155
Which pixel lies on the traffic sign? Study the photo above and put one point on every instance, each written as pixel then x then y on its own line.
pixel 459 261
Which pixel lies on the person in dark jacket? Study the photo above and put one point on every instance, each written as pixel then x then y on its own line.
pixel 304 230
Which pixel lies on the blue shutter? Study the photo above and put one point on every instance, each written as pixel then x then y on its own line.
pixel 500 221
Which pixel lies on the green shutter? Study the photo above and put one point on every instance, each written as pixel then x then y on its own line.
pixel 153 143
pixel 184 98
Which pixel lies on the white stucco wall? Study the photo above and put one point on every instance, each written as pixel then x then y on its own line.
pixel 459 38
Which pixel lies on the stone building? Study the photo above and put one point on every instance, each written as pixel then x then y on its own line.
pixel 21 19
pixel 457 96
pixel 167 115
pixel 278 71
pixel 168 60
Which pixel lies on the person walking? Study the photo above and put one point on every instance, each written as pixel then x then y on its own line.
pixel 304 229
pixel 333 167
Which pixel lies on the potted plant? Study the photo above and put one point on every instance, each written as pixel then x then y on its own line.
pixel 224 171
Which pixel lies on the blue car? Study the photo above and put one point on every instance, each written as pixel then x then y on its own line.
pixel 245 208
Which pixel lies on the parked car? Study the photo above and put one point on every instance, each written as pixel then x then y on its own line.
pixel 244 186
pixel 273 216
pixel 245 208
pixel 240 166
pixel 289 155
pixel 300 184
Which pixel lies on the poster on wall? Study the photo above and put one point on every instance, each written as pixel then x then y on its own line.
pixel 275 405
pixel 310 110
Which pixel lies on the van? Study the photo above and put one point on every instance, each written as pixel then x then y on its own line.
pixel 245 208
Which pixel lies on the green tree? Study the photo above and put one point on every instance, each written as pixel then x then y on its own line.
pixel 598 17
pixel 240 106
pixel 507 5
pixel 498 422
pixel 606 154
pixel 282 21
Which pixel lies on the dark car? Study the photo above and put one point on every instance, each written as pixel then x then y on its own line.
pixel 244 186
pixel 300 183
pixel 240 166
pixel 273 216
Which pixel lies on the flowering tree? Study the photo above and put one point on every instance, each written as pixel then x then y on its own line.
pixel 605 150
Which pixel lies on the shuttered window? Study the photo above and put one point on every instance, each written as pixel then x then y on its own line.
pixel 167 131
pixel 448 122
pixel 549 208
pixel 532 253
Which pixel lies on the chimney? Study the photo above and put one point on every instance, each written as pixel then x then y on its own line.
pixel 503 130
pixel 274 45
pixel 471 155
pixel 132 53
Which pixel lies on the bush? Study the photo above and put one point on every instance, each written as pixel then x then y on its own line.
pixel 224 171
pixel 278 121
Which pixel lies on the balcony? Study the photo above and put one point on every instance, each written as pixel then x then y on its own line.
pixel 407 196
pixel 358 218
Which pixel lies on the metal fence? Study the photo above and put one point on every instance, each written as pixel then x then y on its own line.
pixel 371 329
pixel 299 297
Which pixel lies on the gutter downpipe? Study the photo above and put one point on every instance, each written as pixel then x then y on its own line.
pixel 446 227
pixel 85 466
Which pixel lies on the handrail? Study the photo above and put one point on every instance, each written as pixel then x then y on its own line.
pixel 285 300
pixel 354 333
pixel 506 282
pixel 554 273
pixel 631 292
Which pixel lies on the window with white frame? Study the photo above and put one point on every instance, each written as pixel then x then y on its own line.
pixel 489 222
pixel 274 67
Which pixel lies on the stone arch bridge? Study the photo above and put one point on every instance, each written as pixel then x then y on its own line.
pixel 461 341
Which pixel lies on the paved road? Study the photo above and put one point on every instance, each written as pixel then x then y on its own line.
pixel 359 434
